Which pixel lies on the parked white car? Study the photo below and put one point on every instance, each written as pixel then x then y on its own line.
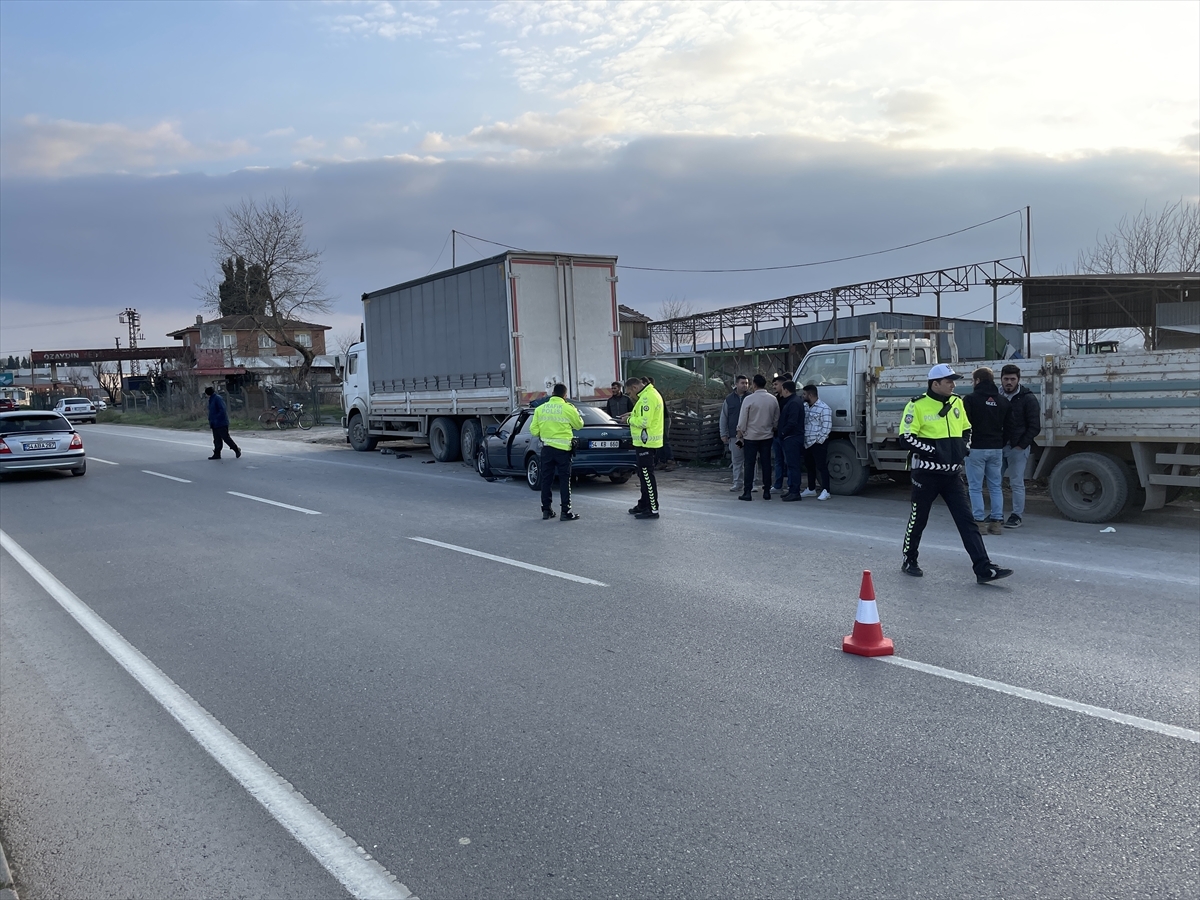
pixel 76 409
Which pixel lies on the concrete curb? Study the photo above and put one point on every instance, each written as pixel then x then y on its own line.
pixel 7 891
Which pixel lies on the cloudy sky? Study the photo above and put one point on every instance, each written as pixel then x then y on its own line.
pixel 689 135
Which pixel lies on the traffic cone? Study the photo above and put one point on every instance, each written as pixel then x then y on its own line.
pixel 867 639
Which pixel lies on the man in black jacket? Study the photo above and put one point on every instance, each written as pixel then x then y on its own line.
pixel 619 403
pixel 1024 424
pixel 989 414
pixel 791 436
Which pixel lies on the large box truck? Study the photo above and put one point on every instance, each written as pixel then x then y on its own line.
pixel 444 356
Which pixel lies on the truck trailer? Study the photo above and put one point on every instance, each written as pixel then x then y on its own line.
pixel 443 357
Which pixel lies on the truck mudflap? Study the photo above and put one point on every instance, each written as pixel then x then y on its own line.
pixel 1160 471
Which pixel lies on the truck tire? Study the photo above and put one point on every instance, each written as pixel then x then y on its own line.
pixel 360 439
pixel 443 439
pixel 1090 487
pixel 470 438
pixel 847 475
pixel 533 472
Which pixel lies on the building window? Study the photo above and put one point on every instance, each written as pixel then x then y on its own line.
pixel 304 339
pixel 229 340
pixel 265 342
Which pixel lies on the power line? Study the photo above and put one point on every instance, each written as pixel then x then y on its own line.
pixel 823 262
pixel 803 265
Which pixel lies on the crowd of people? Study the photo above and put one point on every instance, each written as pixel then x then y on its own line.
pixel 782 435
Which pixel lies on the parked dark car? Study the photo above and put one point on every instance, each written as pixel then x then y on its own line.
pixel 602 447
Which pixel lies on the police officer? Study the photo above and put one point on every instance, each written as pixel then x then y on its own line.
pixel 556 422
pixel 936 429
pixel 646 428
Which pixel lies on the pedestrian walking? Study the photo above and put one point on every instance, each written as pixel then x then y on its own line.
pixel 757 422
pixel 618 404
pixel 777 441
pixel 989 414
pixel 818 425
pixel 646 428
pixel 1024 424
pixel 935 428
pixel 555 423
pixel 730 410
pixel 791 433
pixel 218 421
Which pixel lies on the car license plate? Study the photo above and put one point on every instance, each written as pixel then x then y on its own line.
pixel 604 445
pixel 39 445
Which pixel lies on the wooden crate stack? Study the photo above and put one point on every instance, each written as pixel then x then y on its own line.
pixel 695 428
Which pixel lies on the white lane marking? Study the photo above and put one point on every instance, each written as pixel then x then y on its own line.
pixel 349 863
pixel 99 460
pixel 307 512
pixel 510 562
pixel 168 477
pixel 1099 712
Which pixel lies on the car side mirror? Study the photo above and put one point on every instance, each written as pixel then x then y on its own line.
pixel 491 430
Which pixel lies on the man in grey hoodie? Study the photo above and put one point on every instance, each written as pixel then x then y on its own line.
pixel 756 429
pixel 730 410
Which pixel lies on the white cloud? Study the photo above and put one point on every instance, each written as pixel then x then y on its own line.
pixel 382 19
pixel 63 147
pixel 281 132
pixel 939 75
pixel 308 146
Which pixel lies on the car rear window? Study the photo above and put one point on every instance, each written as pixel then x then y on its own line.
pixel 593 416
pixel 33 422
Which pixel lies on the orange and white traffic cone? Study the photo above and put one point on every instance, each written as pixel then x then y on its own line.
pixel 867 639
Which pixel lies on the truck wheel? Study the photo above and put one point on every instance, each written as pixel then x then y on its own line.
pixel 1089 487
pixel 533 472
pixel 360 439
pixel 470 438
pixel 443 439
pixel 847 475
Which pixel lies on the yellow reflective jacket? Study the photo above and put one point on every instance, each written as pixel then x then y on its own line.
pixel 555 422
pixel 646 420
pixel 936 430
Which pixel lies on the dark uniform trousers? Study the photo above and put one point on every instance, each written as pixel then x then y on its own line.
pixel 646 457
pixel 556 462
pixel 927 486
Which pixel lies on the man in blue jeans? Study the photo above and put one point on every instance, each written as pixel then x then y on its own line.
pixel 989 413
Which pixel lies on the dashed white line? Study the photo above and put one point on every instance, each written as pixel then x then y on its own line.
pixel 168 477
pixel 307 512
pixel 510 562
pixel 99 460
pixel 362 876
pixel 1086 709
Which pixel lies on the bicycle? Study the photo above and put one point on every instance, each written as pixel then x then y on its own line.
pixel 269 418
pixel 295 415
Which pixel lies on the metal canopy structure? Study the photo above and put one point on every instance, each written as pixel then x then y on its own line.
pixel 718 328
pixel 1096 302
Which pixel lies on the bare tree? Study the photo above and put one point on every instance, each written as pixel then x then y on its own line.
pixel 1166 241
pixel 674 308
pixel 78 380
pixel 261 250
pixel 344 339
pixel 109 378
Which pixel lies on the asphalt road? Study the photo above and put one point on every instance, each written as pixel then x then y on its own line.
pixel 673 719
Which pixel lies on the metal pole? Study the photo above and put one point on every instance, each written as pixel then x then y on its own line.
pixel 453 247
pixel 938 295
pixel 996 318
pixel 835 325
pixel 1028 243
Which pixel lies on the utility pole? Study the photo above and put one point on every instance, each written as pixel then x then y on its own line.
pixel 131 318
pixel 453 248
